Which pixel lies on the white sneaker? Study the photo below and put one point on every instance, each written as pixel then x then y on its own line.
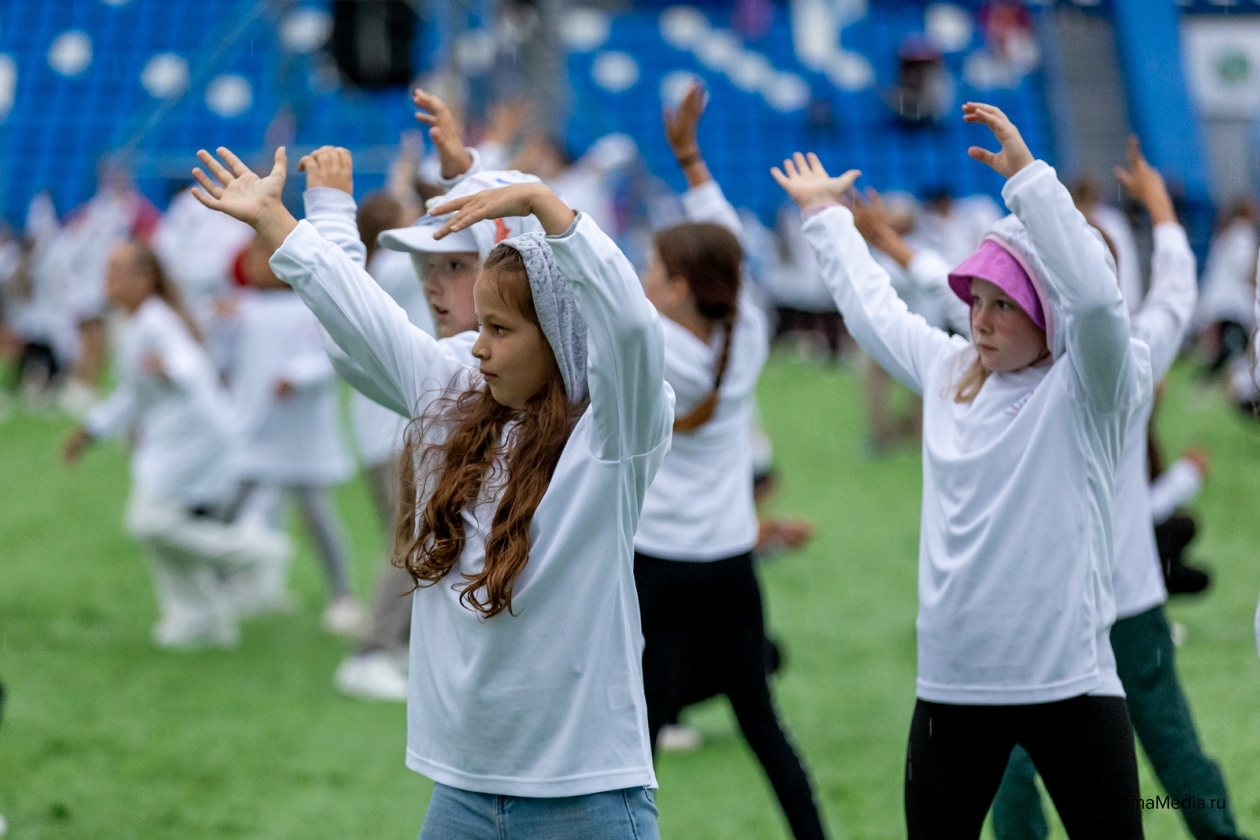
pixel 4 826
pixel 343 617
pixel 186 635
pixel 675 738
pixel 371 676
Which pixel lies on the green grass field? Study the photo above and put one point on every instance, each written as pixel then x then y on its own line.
pixel 106 737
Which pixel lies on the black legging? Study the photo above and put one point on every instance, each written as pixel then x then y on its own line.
pixel 1082 747
pixel 711 612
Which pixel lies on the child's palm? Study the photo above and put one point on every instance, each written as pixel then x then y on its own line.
pixel 239 192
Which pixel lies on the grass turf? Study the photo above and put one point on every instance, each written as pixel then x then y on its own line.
pixel 106 737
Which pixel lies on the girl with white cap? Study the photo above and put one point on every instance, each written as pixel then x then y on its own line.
pixel 693 564
pixel 1023 428
pixel 527 473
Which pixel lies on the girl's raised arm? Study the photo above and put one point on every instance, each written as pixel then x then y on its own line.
pixel 1083 287
pixel 704 200
pixel 901 343
pixel 1165 313
pixel 409 366
pixel 632 407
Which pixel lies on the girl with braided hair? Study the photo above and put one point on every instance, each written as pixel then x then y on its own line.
pixel 698 590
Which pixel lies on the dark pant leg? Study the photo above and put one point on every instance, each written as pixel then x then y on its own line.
pixel 1017 811
pixel 668 607
pixel 954 763
pixel 389 626
pixel 1162 720
pixel 1083 749
pixel 740 642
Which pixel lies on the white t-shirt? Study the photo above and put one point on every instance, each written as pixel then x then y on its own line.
pixel 182 419
pixel 700 506
pixel 547 702
pixel 1015 591
pixel 295 439
pixel 1160 322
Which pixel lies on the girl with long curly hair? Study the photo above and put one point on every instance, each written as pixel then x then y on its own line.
pixel 523 481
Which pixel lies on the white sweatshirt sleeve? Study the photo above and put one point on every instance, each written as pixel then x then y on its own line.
pixel 113 416
pixel 1175 486
pixel 405 363
pixel 1082 287
pixel 632 407
pixel 707 203
pixel 930 273
pixel 899 341
pixel 332 212
pixel 1162 319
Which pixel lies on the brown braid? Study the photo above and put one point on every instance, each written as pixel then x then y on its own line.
pixel 708 257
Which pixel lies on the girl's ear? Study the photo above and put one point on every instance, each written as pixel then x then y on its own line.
pixel 679 289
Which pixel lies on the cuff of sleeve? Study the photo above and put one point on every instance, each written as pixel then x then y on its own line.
pixel 1021 179
pixel 1170 233
pixel 814 209
pixel 698 198
pixel 577 220
pixel 475 166
pixel 327 199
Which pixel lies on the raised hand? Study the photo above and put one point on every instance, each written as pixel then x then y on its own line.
pixel 1145 184
pixel 243 195
pixel 1014 154
pixel 444 131
pixel 807 182
pixel 871 220
pixel 329 166
pixel 517 200
pixel 680 134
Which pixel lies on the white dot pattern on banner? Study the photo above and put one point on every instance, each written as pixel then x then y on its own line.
pixel 787 92
pixel 984 72
pixel 751 72
pixel 165 75
pixel 115 2
pixel 583 30
pixel 948 27
pixel 305 30
pixel 719 50
pixel 229 95
pixel 70 53
pixel 683 27
pixel 850 71
pixel 8 84
pixel 615 71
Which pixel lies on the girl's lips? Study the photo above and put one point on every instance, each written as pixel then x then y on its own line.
pixel 488 375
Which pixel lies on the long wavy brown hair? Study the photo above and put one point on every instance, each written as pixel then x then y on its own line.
pixel 490 450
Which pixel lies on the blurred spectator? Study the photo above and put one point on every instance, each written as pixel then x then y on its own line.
pixel 1225 316
pixel 1008 33
pixel 925 89
pixel 1087 193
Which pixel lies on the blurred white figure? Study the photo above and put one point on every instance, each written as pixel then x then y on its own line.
pixel 285 392
pixel 953 227
pixel 1087 193
pixel 78 256
pixel 170 401
pixel 586 183
pixel 1226 314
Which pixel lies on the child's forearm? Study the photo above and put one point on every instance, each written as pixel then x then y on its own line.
pixel 552 213
pixel 275 224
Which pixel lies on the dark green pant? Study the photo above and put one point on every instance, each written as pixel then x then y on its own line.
pixel 1161 718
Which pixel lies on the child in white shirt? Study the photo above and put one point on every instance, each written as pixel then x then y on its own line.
pixel 1023 428
pixel 528 474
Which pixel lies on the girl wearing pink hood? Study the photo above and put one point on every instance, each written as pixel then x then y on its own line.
pixel 1023 427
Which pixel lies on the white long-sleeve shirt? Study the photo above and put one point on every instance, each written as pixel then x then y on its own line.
pixel 700 505
pixel 548 701
pixel 1160 322
pixel 1015 599
pixel 182 417
pixel 1227 293
pixel 295 439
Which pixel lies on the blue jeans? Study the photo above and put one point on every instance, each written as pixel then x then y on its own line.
pixel 456 814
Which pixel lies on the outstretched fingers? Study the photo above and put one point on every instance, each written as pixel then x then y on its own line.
pixel 208 185
pixel 234 163
pixel 216 169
